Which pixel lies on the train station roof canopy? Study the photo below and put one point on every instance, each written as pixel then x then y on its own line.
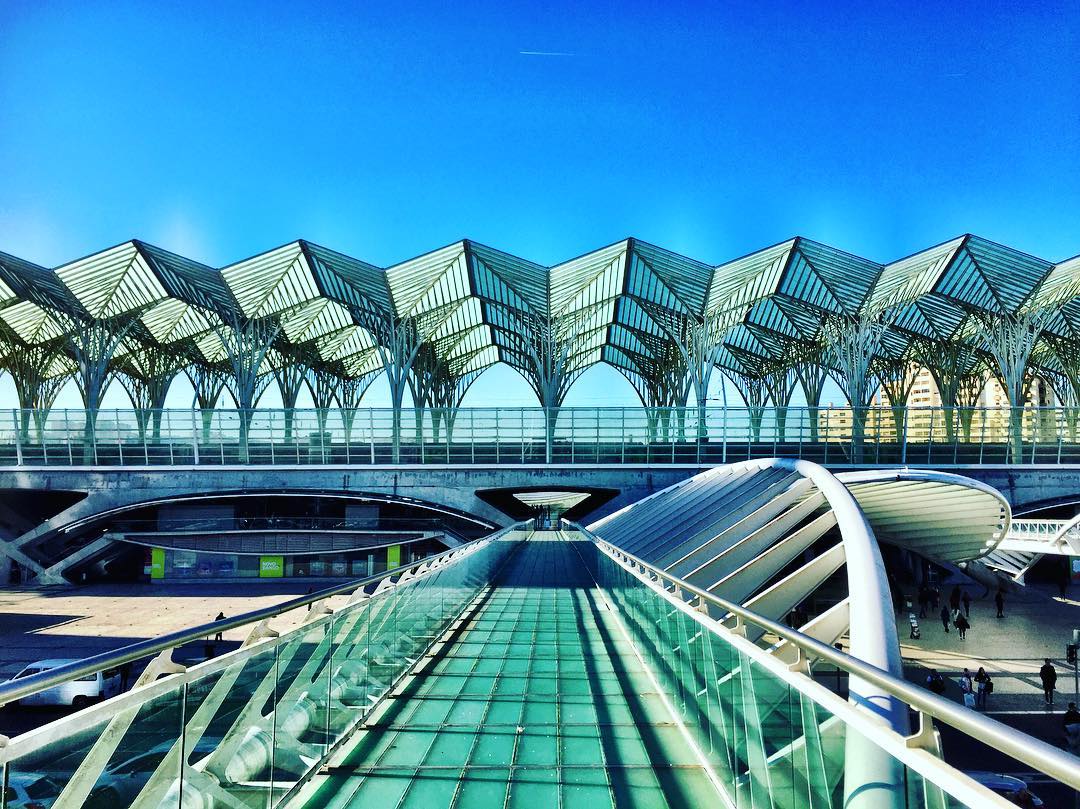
pixel 630 304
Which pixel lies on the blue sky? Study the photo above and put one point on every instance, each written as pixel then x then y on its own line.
pixel 221 130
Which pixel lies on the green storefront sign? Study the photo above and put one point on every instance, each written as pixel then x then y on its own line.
pixel 271 567
pixel 157 563
pixel 393 557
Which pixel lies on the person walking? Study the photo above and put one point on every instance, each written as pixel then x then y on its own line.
pixel 983 686
pixel 1048 675
pixel 924 600
pixel 999 602
pixel 967 689
pixel 220 617
pixel 944 615
pixel 954 598
pixel 967 603
pixel 935 682
pixel 961 624
pixel 1071 723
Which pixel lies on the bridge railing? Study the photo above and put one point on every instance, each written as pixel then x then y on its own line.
pixel 246 727
pixel 772 734
pixel 572 435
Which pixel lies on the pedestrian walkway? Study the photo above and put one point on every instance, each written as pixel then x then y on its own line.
pixel 1036 626
pixel 536 699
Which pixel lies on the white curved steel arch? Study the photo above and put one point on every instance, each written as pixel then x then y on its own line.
pixel 738 531
pixel 735 529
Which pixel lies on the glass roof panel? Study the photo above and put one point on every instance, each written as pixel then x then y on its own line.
pixel 739 283
pixel 271 282
pixel 113 282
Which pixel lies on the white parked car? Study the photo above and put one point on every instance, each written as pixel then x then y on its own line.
pixel 1007 786
pixel 76 693
pixel 30 790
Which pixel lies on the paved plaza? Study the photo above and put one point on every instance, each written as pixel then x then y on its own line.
pixel 67 622
pixel 1036 626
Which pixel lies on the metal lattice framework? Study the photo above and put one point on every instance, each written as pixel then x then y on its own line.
pixel 300 314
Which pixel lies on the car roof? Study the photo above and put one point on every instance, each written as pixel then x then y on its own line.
pixel 52 664
pixel 1000 779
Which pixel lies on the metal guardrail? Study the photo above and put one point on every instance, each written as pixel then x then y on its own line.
pixel 17 689
pixel 605 435
pixel 1037 754
pixel 282 524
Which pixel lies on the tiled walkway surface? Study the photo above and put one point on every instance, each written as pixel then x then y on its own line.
pixel 538 702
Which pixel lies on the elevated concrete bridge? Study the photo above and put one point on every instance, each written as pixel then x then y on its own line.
pixel 108 492
pixel 611 456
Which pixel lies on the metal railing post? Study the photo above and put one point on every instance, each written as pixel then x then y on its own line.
pixel 982 432
pixel 67 438
pixel 15 414
pixel 145 445
pixel 41 427
pixel 1036 427
pixel 622 435
pixel 723 432
pixel 1060 428
pixel 573 435
pixel 371 431
pixel 825 438
pixel 904 439
pixel 596 415
pixel 699 432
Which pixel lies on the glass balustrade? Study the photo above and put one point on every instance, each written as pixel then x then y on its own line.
pixel 769 743
pixel 936 436
pixel 244 728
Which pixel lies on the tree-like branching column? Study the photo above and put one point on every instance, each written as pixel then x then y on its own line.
pixel 290 370
pixel 398 340
pixel 550 349
pixel 663 385
pixel 92 343
pixel 699 341
pixel 1059 361
pixel 438 383
pixel 851 344
pixel 779 378
pixel 1010 339
pixel 333 383
pixel 246 342
pixel 34 372
pixel 812 373
pixel 755 392
pixel 208 381
pixel 146 375
pixel 322 381
pixel 896 375
pixel 350 390
pixel 960 373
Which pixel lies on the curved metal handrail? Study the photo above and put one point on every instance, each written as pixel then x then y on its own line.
pixel 872 631
pixel 24 687
pixel 1041 755
pixel 1062 535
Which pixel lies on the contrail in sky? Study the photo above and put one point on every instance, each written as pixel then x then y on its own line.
pixel 544 53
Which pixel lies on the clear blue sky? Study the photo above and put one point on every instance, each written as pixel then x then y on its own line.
pixel 221 130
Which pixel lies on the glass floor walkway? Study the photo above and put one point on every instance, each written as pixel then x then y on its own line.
pixel 536 700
